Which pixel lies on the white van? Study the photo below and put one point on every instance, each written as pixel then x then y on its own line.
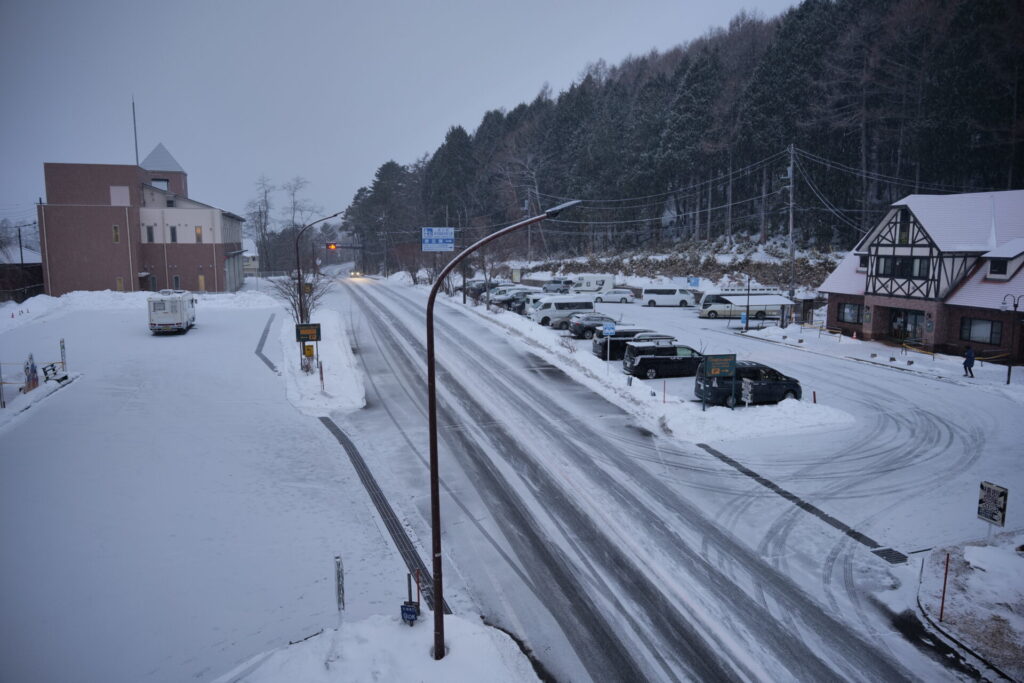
pixel 171 310
pixel 667 296
pixel 733 305
pixel 555 310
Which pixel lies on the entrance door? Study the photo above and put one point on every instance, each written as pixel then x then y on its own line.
pixel 906 324
pixel 202 283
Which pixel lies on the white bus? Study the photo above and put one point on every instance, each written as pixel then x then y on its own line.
pixel 667 296
pixel 760 306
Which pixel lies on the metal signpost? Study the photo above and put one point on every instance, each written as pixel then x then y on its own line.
pixel 307 332
pixel 607 330
pixel 438 239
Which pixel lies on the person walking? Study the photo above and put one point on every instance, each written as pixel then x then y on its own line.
pixel 969 362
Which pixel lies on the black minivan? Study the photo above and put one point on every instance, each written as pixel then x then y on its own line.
pixel 767 385
pixel 614 347
pixel 660 358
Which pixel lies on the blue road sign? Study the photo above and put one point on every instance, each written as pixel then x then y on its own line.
pixel 438 239
pixel 608 329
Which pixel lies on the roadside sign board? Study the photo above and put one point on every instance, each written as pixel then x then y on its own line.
pixel 723 365
pixel 608 329
pixel 309 332
pixel 992 503
pixel 693 282
pixel 438 239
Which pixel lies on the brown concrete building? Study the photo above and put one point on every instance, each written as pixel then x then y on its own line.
pixel 940 272
pixel 132 228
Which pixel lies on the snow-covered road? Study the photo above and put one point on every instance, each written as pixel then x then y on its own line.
pixel 665 563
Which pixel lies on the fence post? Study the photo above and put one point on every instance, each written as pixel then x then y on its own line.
pixel 942 606
pixel 339 575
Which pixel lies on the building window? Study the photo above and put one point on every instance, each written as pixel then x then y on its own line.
pixel 149 233
pixel 863 261
pixel 177 282
pixel 174 233
pixel 997 266
pixel 903 234
pixel 908 267
pixel 199 234
pixel 119 195
pixel 170 203
pixel 161 183
pixel 120 284
pixel 981 331
pixel 117 234
pixel 202 283
pixel 851 313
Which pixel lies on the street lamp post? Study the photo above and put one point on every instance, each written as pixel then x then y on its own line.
pixel 303 317
pixel 1013 331
pixel 435 503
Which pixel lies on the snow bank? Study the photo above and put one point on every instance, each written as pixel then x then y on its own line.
pixel 386 649
pixel 343 380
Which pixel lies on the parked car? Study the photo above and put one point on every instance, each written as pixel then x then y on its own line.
pixel 667 296
pixel 555 310
pixel 622 296
pixel 558 286
pixel 505 296
pixel 614 347
pixel 660 358
pixel 767 385
pixel 584 325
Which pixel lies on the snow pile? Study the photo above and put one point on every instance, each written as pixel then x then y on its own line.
pixel 343 387
pixel 385 649
pixel 984 598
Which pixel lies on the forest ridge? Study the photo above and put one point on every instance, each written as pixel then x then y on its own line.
pixel 878 98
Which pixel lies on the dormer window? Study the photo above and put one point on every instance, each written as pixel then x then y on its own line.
pixel 997 266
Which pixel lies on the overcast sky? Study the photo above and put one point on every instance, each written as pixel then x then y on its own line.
pixel 326 90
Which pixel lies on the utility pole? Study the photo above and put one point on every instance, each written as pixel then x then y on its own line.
pixel 792 246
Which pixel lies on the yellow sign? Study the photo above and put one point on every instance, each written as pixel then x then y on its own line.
pixel 307 350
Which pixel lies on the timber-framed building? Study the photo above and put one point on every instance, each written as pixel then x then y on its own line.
pixel 939 272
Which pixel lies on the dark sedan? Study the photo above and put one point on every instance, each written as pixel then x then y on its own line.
pixel 584 325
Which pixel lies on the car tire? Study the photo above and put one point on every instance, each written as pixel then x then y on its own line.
pixel 651 303
pixel 564 325
pixel 789 395
pixel 623 300
pixel 683 304
pixel 759 315
pixel 598 300
pixel 730 401
pixel 651 373
pixel 544 322
pixel 712 314
pixel 588 334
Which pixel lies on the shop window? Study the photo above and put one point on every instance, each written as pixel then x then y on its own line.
pixel 851 313
pixel 981 331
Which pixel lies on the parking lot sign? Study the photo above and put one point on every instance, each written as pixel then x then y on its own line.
pixel 438 239
pixel 992 503
pixel 723 365
pixel 608 329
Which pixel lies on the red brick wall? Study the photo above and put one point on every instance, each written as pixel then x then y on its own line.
pixel 90 183
pixel 79 252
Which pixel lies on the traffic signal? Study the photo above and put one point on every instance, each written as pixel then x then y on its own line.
pixel 332 245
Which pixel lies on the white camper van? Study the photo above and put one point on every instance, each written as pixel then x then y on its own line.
pixel 592 284
pixel 555 310
pixel 171 310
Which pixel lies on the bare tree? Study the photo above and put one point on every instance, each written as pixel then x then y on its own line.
pixel 297 210
pixel 258 225
pixel 301 307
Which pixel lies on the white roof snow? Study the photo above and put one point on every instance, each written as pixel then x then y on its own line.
pixel 982 293
pixel 977 221
pixel 1011 249
pixel 845 279
pixel 161 160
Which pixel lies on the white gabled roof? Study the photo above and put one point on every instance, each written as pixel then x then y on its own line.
pixel 845 279
pixel 161 160
pixel 982 293
pixel 977 221
pixel 1011 249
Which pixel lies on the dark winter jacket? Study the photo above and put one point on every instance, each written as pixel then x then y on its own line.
pixel 969 358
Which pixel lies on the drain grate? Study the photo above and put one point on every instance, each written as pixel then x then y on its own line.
pixel 891 556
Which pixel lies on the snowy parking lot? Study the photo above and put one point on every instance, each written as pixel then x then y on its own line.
pixel 174 510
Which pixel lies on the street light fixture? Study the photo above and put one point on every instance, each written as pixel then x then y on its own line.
pixel 435 495
pixel 1013 330
pixel 303 316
